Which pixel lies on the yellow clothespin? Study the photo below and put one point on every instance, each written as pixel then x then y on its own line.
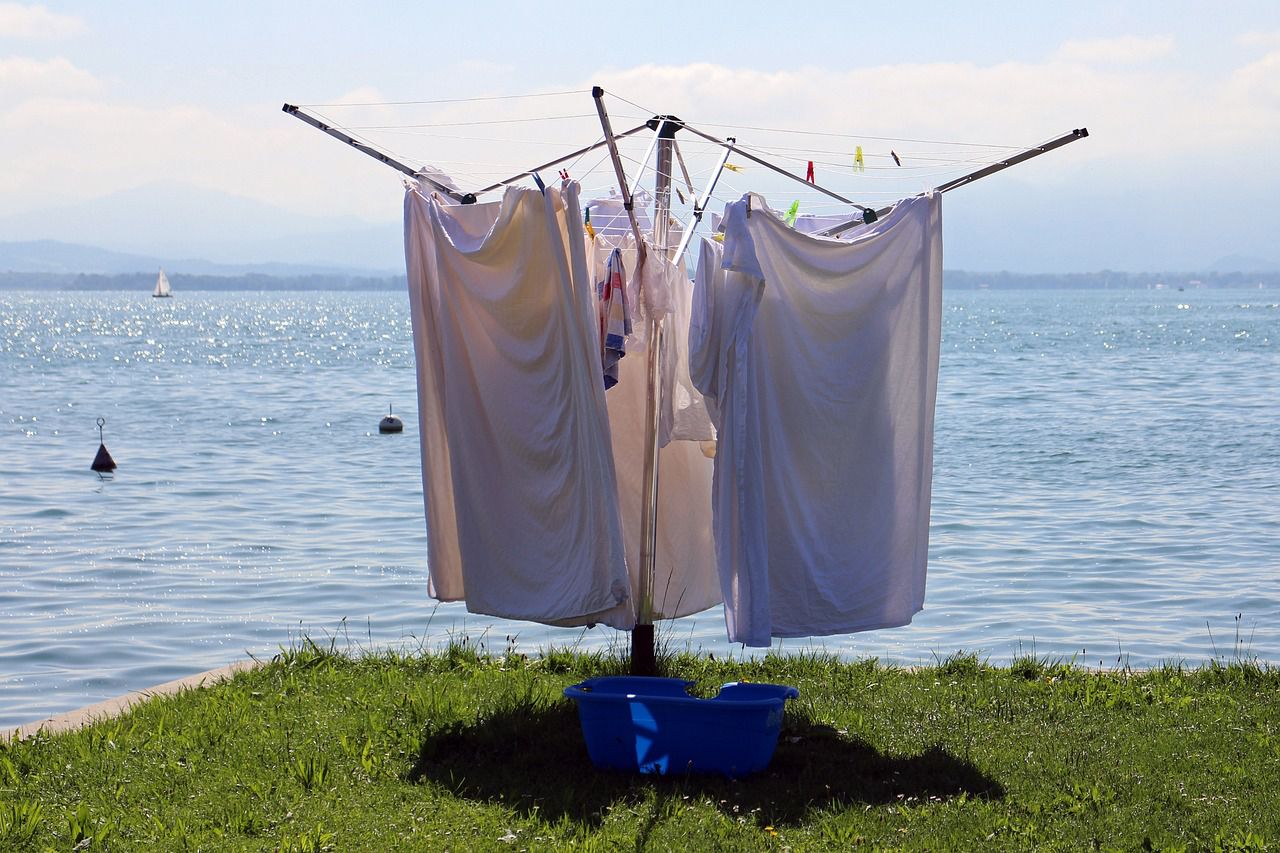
pixel 586 223
pixel 732 167
pixel 859 165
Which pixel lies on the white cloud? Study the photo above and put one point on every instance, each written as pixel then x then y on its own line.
pixel 1009 103
pixel 1157 122
pixel 70 147
pixel 361 95
pixel 1268 40
pixel 1124 50
pixel 1254 90
pixel 1143 122
pixel 484 66
pixel 23 21
pixel 22 77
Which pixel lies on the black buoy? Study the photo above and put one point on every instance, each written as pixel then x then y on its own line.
pixel 390 423
pixel 103 463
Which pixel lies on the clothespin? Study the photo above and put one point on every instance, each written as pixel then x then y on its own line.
pixel 859 165
pixel 792 212
pixel 586 223
pixel 748 205
pixel 733 167
pixel 564 174
pixel 894 155
pixel 681 195
pixel 808 175
pixel 537 179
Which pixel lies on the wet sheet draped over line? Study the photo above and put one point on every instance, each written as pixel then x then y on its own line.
pixel 518 476
pixel 818 359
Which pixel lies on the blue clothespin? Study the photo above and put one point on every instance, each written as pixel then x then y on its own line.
pixel 538 180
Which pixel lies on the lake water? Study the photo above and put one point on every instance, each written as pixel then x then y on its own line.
pixel 1107 487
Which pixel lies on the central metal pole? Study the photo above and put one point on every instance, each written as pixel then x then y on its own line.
pixel 643 647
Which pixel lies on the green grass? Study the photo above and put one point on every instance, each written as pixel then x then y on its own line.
pixel 463 750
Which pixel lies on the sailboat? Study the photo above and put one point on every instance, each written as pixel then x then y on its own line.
pixel 162 286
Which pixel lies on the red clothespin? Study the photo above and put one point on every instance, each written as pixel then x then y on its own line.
pixel 808 175
pixel 564 174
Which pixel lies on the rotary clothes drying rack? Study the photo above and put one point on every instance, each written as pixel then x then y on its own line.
pixel 664 129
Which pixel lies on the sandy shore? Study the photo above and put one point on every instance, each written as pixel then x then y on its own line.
pixel 113 707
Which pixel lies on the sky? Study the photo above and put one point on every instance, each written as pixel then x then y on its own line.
pixel 1182 101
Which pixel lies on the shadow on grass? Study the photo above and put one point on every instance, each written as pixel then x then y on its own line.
pixel 532 758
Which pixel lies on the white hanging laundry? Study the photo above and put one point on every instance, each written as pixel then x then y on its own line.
pixel 666 289
pixel 518 479
pixel 685 579
pixel 811 223
pixel 609 218
pixel 819 362
pixel 614 314
pixel 429 177
pixel 659 287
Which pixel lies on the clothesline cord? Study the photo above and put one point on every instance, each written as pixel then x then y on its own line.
pixel 523 140
pixel 883 155
pixel 646 112
pixel 734 126
pixel 934 166
pixel 470 123
pixel 802 154
pixel 812 200
pixel 692 144
pixel 863 136
pixel 450 100
pixel 929 168
pixel 574 165
pixel 376 146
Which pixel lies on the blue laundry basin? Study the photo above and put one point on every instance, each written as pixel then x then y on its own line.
pixel 652 725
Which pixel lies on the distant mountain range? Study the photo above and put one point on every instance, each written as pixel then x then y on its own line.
pixel 54 257
pixel 168 223
pixel 1243 263
pixel 197 232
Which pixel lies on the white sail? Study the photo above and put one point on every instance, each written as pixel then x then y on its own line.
pixel 162 285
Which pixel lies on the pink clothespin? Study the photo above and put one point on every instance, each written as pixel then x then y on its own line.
pixel 808 175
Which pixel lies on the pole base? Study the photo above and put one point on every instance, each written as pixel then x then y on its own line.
pixel 643 660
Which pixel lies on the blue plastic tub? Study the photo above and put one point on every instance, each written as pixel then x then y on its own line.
pixel 652 725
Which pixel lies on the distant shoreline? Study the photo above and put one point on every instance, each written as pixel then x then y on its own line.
pixel 953 279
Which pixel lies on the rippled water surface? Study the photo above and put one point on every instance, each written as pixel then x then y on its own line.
pixel 1107 486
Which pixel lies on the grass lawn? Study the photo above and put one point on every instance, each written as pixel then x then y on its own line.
pixel 463 750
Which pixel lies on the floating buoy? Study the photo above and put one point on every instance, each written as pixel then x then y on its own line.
pixel 103 463
pixel 390 423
